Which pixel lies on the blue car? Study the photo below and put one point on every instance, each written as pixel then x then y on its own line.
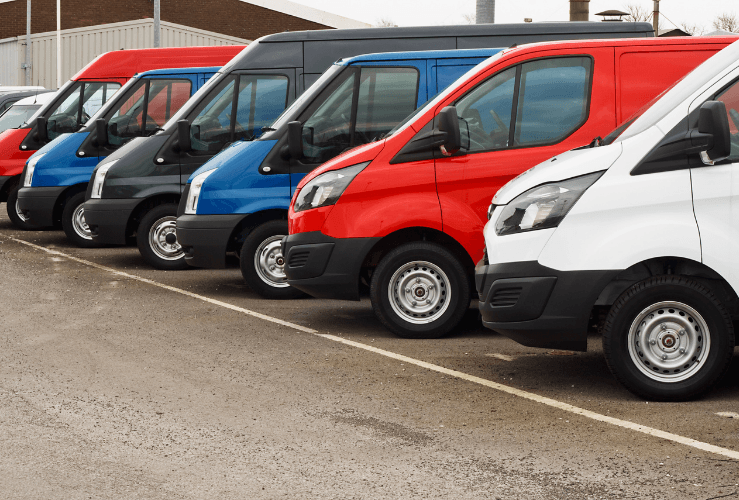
pixel 238 201
pixel 56 176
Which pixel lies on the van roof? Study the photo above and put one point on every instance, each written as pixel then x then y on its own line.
pixel 36 99
pixel 176 71
pixel 126 63
pixel 461 30
pixel 627 42
pixel 423 54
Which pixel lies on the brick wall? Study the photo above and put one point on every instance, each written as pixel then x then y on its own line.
pixel 228 17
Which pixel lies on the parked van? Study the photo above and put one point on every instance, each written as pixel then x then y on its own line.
pixel 238 201
pixel 79 99
pixel 22 110
pixel 56 175
pixel 405 214
pixel 639 229
pixel 150 174
pixel 10 97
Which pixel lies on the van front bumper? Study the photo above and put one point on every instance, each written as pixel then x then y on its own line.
pixel 37 204
pixel 108 219
pixel 325 267
pixel 538 306
pixel 205 238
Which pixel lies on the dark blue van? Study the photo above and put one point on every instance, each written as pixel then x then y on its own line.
pixel 238 201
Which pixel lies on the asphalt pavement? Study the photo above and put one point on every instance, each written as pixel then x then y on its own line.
pixel 120 381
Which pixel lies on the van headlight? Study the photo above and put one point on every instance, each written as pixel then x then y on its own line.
pixel 325 189
pixel 97 183
pixel 193 196
pixel 544 206
pixel 30 167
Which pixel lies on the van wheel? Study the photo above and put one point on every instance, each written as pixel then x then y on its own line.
pixel 157 239
pixel 14 211
pixel 668 338
pixel 420 290
pixel 73 222
pixel 262 263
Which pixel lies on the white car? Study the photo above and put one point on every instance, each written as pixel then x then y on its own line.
pixel 636 235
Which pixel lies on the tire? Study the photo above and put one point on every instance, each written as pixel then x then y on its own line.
pixel 154 242
pixel 14 213
pixel 73 222
pixel 262 263
pixel 687 332
pixel 416 273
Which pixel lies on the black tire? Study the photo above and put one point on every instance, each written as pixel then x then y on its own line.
pixel 261 281
pixel 165 255
pixel 686 361
pixel 447 307
pixel 73 222
pixel 17 218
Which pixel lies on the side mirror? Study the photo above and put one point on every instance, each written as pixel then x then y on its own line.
pixel 183 136
pixel 295 140
pixel 101 129
pixel 449 124
pixel 713 123
pixel 41 130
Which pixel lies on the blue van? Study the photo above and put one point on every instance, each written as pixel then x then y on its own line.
pixel 57 175
pixel 238 201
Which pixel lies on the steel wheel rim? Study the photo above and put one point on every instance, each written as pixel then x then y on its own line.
pixel 669 342
pixel 269 262
pixel 19 213
pixel 419 292
pixel 158 239
pixel 79 224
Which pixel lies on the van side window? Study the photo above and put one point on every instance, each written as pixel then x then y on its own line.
pixel 487 112
pixel 165 97
pixel 552 95
pixel 553 100
pixel 261 100
pixel 730 97
pixel 210 129
pixel 71 114
pixel 356 113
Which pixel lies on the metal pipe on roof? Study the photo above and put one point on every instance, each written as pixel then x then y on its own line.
pixel 579 10
pixel 485 12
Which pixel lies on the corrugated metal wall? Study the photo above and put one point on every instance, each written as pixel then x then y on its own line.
pixel 10 65
pixel 82 45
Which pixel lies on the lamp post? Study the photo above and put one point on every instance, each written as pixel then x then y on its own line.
pixel 157 26
pixel 58 44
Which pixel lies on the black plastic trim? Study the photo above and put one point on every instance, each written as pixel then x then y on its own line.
pixel 108 219
pixel 37 203
pixel 204 238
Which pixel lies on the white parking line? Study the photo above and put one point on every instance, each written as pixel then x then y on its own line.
pixel 625 424
pixel 504 357
pixel 728 414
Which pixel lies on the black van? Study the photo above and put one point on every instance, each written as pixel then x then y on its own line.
pixel 149 173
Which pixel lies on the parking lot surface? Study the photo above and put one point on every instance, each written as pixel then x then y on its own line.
pixel 119 381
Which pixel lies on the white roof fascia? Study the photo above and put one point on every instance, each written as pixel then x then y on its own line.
pixel 308 13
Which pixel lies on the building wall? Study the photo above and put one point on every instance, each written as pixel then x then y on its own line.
pixel 228 17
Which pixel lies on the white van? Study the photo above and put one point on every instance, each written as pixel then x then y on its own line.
pixel 636 235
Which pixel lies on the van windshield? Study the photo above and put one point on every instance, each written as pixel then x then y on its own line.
pixel 674 96
pixel 16 115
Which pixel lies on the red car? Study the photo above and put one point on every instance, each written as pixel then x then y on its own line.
pixel 93 86
pixel 405 214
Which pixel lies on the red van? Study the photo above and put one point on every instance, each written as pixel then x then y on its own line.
pixel 93 86
pixel 405 213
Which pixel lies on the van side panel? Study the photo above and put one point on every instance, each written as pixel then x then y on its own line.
pixel 642 73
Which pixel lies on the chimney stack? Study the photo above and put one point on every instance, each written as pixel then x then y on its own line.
pixel 579 10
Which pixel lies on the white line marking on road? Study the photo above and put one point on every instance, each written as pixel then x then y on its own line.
pixel 504 357
pixel 171 288
pixel 728 414
pixel 625 424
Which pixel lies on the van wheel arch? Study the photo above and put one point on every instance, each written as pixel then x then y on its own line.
pixel 249 223
pixel 664 266
pixel 9 185
pixel 145 206
pixel 412 234
pixel 62 201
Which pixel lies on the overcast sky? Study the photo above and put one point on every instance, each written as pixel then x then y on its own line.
pixel 436 12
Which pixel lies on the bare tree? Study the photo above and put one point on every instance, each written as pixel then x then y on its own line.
pixel 385 22
pixel 637 13
pixel 693 29
pixel 469 18
pixel 727 22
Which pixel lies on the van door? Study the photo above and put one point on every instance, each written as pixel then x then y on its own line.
pixel 716 199
pixel 237 109
pixel 516 118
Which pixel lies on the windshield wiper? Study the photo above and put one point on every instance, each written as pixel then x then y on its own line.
pixel 268 129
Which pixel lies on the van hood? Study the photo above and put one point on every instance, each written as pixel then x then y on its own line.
pixel 570 164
